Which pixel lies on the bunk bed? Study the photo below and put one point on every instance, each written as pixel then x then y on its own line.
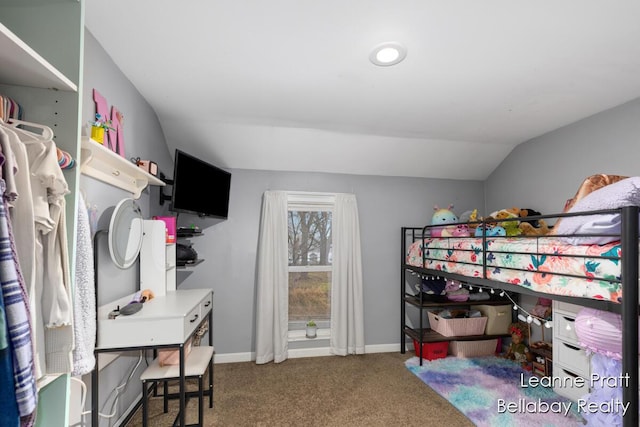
pixel 563 267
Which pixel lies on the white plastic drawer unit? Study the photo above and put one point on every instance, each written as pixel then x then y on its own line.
pixel 566 307
pixel 567 384
pixel 565 326
pixel 572 356
pixel 168 319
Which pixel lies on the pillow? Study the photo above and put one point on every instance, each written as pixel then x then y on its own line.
pixel 622 193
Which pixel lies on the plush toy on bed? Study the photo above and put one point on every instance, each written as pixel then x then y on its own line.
pixel 471 217
pixel 492 228
pixel 518 349
pixel 525 213
pixel 443 216
pixel 528 229
pixel 511 227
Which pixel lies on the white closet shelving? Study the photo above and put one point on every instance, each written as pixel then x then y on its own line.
pixel 99 162
pixel 41 55
pixel 23 66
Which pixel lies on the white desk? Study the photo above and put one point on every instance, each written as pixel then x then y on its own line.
pixel 164 321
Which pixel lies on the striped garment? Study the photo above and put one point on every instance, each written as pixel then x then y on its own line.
pixel 18 322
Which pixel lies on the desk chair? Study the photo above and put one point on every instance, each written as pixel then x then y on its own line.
pixel 195 366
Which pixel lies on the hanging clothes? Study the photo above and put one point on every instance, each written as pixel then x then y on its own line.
pixel 8 407
pixel 9 415
pixel 20 202
pixel 34 202
pixel 53 308
pixel 10 109
pixel 18 321
pixel 49 187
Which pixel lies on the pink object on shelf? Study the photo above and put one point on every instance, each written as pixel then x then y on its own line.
pixel 170 226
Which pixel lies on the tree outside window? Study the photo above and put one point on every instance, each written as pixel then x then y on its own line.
pixel 310 258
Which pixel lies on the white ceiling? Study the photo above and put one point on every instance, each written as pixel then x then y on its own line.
pixel 287 84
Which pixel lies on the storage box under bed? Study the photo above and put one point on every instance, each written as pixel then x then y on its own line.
pixel 473 348
pixel 499 317
pixel 457 327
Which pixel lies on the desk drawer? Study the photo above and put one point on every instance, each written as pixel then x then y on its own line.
pixel 192 320
pixel 206 305
pixel 572 356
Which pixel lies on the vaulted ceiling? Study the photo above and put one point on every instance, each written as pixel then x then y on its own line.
pixel 288 85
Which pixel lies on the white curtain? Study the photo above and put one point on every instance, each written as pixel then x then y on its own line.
pixel 272 306
pixel 347 306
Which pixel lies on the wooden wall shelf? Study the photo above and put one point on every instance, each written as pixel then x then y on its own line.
pixel 99 162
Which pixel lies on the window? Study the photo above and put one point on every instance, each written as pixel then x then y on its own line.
pixel 310 260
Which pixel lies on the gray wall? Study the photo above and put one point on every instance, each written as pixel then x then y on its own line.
pixel 546 171
pixel 384 203
pixel 229 246
pixel 143 138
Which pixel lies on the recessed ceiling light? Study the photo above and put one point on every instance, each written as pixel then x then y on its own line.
pixel 388 53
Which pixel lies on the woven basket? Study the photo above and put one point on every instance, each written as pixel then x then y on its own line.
pixel 457 327
pixel 473 348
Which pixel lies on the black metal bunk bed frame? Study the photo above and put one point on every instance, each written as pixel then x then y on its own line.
pixel 629 310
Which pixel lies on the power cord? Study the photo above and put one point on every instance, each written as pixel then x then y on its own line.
pixel 118 390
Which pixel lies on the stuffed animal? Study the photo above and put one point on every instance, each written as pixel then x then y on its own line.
pixel 524 213
pixel 511 227
pixel 492 230
pixel 470 217
pixel 443 216
pixel 460 230
pixel 518 349
pixel 529 230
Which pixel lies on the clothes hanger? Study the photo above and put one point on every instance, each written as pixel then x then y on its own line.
pixel 47 132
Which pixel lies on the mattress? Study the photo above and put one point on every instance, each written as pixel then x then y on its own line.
pixel 545 265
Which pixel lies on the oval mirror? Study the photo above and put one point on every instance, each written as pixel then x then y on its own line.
pixel 125 233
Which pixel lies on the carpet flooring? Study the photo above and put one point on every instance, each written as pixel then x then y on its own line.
pixel 368 390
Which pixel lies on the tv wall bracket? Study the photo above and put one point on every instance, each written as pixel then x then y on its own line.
pixel 164 197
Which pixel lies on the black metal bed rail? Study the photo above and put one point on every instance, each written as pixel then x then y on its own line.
pixel 426 228
pixel 486 267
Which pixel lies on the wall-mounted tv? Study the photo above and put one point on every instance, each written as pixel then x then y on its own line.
pixel 199 187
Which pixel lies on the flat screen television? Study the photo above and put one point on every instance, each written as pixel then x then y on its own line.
pixel 199 187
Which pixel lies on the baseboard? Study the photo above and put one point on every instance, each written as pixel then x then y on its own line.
pixel 233 357
pixel 301 352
